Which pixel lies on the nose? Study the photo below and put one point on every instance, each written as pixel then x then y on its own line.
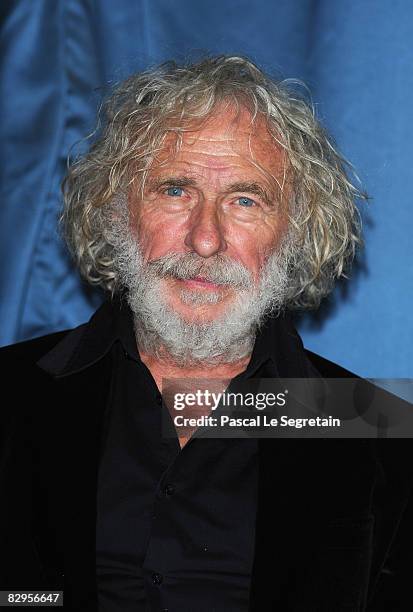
pixel 205 234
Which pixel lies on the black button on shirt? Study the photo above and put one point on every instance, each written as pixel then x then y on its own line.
pixel 175 527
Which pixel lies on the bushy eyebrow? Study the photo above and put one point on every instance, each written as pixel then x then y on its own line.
pixel 253 189
pixel 185 181
pixel 175 181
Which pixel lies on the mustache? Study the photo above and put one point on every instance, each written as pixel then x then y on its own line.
pixel 217 269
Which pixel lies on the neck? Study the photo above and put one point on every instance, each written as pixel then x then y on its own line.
pixel 167 368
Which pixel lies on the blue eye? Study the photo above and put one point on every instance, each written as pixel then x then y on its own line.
pixel 175 191
pixel 246 201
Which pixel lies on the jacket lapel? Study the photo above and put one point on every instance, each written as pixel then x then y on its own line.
pixel 314 523
pixel 65 524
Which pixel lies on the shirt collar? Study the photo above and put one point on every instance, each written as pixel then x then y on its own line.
pixel 278 348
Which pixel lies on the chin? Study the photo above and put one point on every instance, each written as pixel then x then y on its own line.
pixel 200 313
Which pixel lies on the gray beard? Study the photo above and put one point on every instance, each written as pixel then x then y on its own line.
pixel 163 333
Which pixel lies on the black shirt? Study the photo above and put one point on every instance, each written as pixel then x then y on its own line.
pixel 175 527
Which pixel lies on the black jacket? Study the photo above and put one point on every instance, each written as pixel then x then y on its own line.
pixel 333 528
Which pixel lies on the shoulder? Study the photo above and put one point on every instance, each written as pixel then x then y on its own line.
pixel 21 376
pixel 326 368
pixel 31 350
pixel 21 359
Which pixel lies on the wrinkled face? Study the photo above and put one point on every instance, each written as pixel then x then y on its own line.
pixel 221 197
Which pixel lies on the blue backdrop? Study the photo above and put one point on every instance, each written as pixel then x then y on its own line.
pixel 60 56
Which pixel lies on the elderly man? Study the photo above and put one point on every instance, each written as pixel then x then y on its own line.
pixel 210 205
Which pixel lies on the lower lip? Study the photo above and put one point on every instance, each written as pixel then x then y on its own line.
pixel 200 283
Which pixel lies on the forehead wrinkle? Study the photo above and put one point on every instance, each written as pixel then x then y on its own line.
pixel 196 167
pixel 217 138
pixel 211 147
pixel 215 154
pixel 189 168
pixel 240 138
